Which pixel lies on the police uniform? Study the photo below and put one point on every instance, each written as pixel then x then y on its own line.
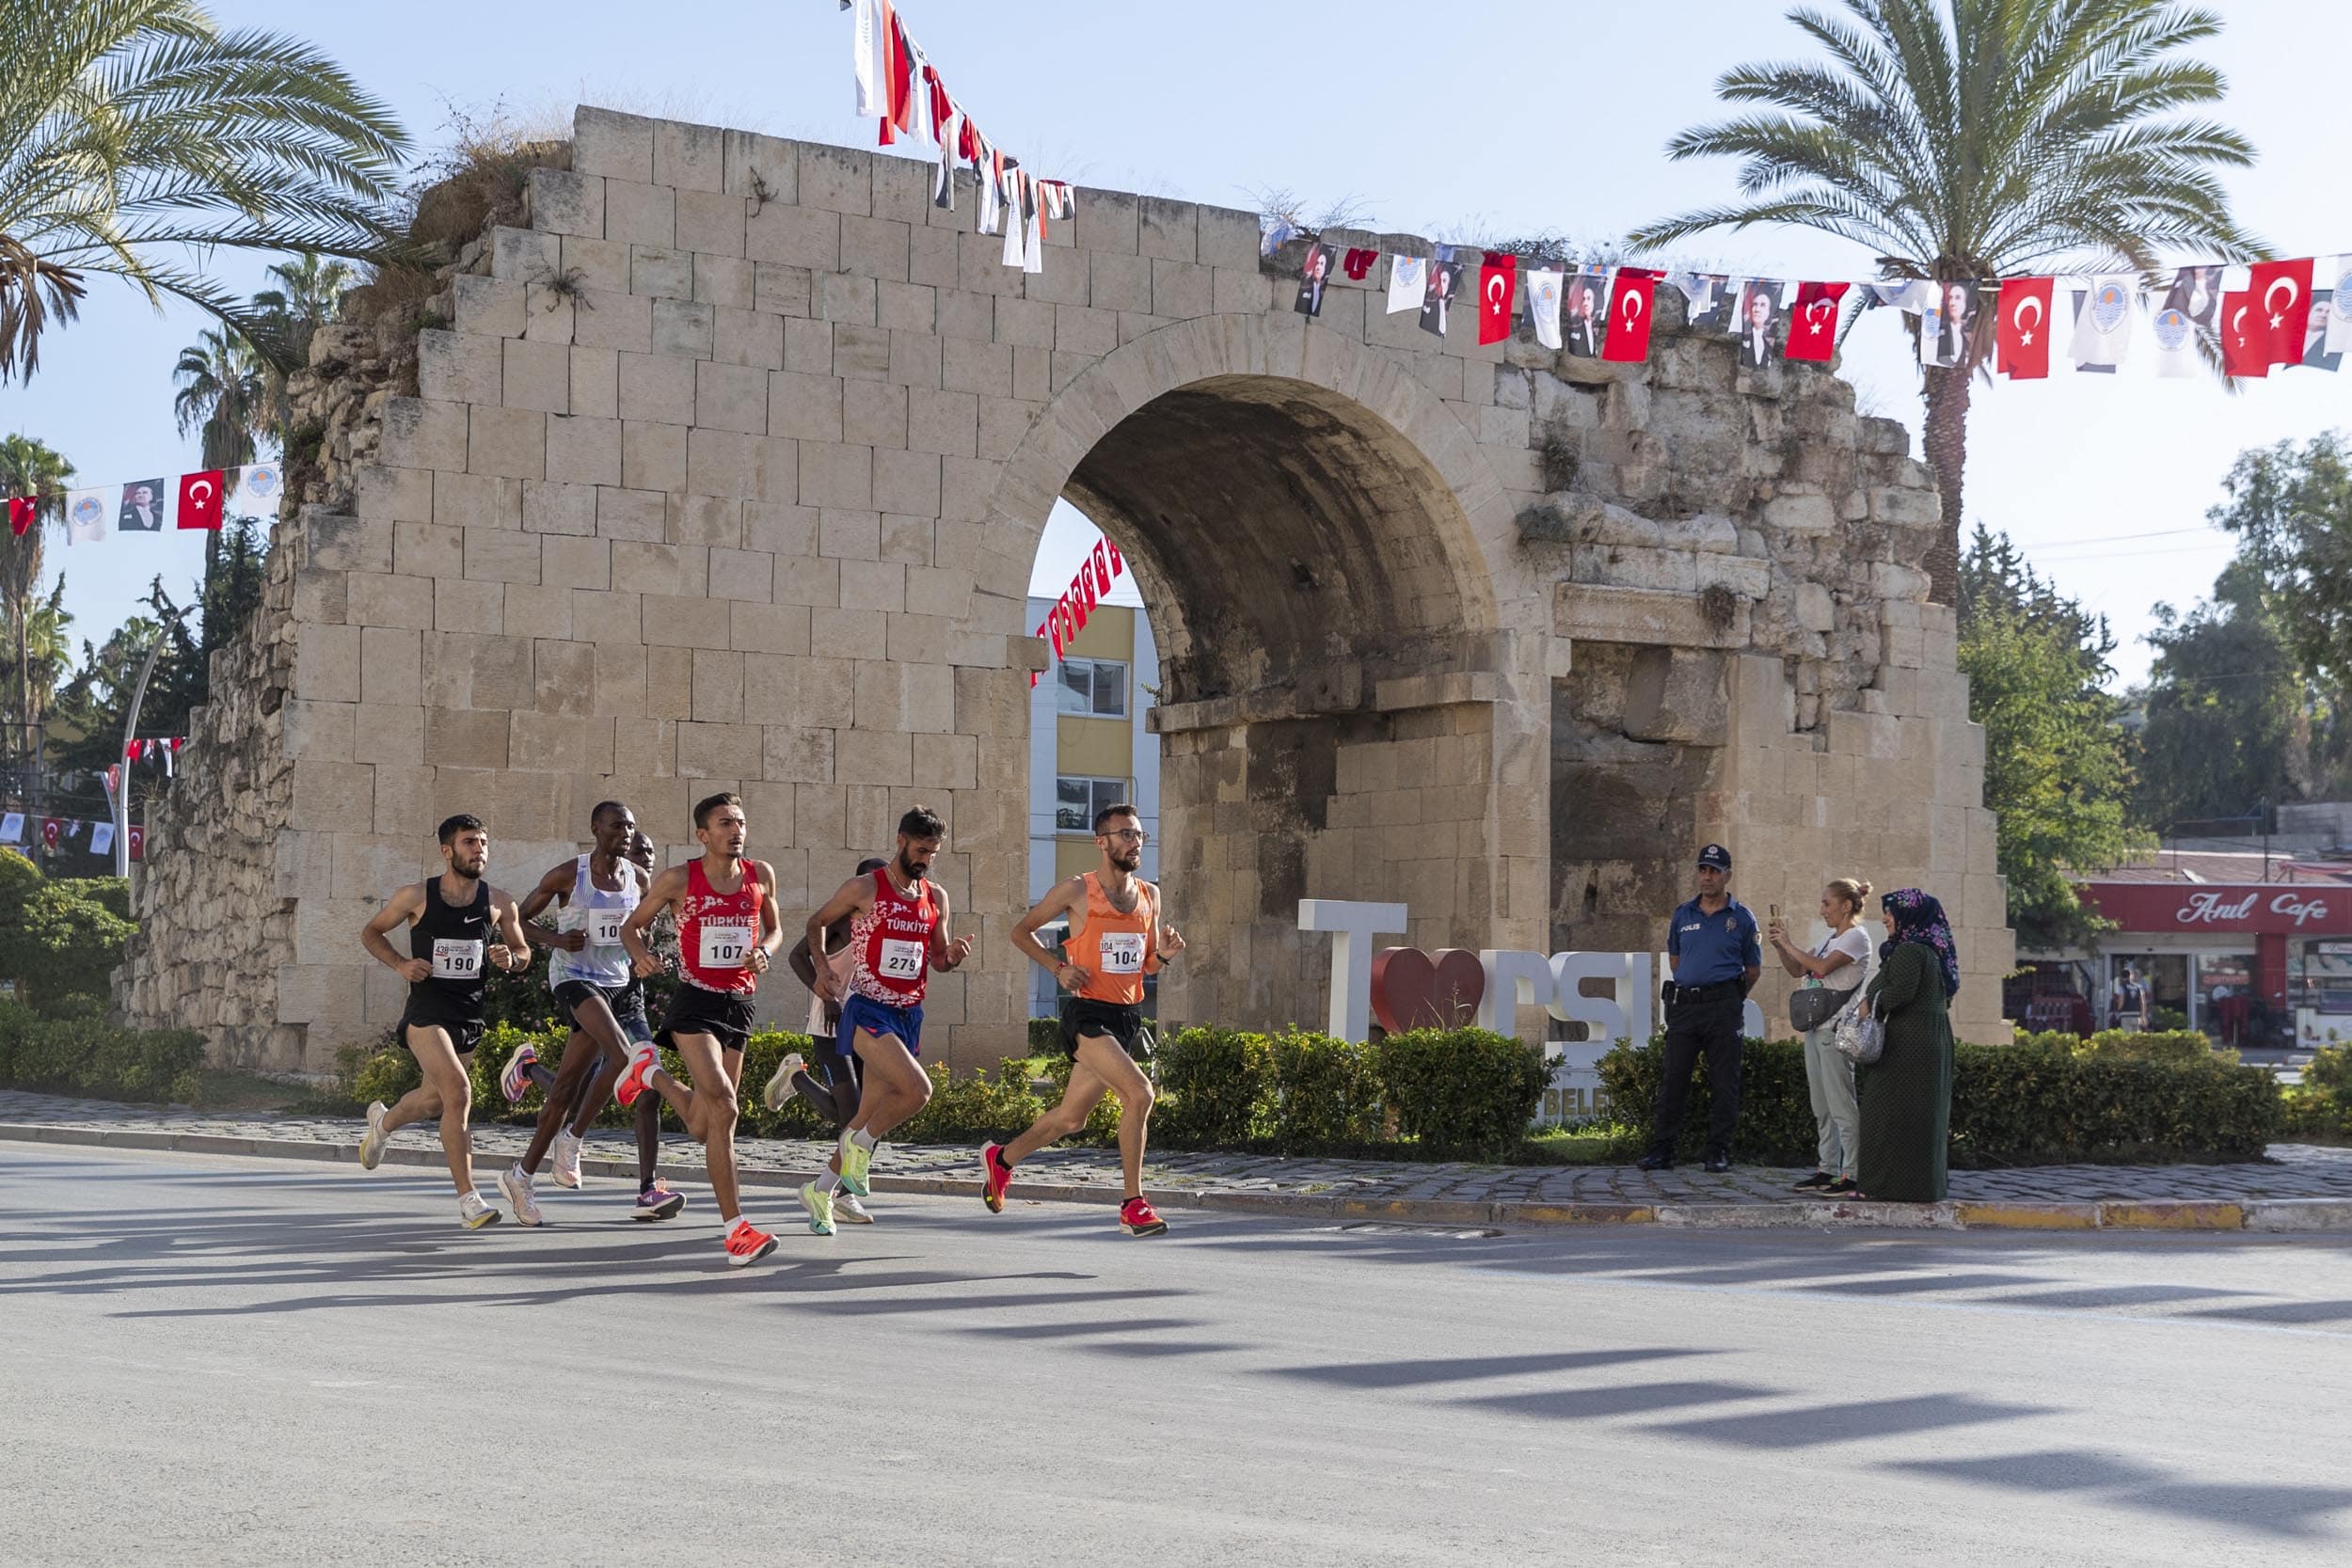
pixel 1712 954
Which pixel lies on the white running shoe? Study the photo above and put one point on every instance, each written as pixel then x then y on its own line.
pixel 473 1213
pixel 514 1182
pixel 372 1142
pixel 566 1158
pixel 780 1091
pixel 847 1207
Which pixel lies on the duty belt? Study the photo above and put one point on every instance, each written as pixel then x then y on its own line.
pixel 1715 991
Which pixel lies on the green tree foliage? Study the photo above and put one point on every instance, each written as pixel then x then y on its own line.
pixel 59 940
pixel 2056 757
pixel 29 467
pixel 2228 726
pixel 2292 512
pixel 1966 139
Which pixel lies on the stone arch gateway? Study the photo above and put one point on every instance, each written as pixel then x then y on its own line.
pixel 727 471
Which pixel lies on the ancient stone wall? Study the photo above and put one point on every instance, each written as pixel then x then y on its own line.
pixel 728 471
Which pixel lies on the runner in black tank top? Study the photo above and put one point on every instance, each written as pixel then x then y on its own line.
pixel 459 927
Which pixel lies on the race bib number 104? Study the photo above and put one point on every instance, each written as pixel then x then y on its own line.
pixel 1123 951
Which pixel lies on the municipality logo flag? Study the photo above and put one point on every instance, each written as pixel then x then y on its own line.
pixel 2103 323
pixel 259 486
pixel 89 514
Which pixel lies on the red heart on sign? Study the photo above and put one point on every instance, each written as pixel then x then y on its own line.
pixel 1412 991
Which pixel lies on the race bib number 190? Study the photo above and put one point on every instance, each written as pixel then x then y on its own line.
pixel 901 960
pixel 1123 951
pixel 726 943
pixel 455 960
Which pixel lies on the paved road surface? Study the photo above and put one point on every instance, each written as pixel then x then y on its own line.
pixel 239 1361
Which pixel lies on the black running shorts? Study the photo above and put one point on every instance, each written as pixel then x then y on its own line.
pixel 727 1016
pixel 623 1000
pixel 464 1032
pixel 1121 1022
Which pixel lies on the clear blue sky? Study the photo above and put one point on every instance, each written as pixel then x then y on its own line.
pixel 1507 116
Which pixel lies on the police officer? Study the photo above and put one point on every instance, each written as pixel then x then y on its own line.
pixel 1712 950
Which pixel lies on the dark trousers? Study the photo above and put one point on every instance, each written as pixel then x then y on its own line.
pixel 1692 1027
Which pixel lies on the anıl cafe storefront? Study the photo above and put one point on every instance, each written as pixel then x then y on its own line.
pixel 2232 959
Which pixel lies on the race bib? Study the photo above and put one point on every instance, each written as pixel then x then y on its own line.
pixel 902 961
pixel 1123 951
pixel 726 943
pixel 453 960
pixel 604 927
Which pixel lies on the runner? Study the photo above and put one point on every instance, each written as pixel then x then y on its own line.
pixel 1115 939
pixel 897 935
pixel 728 931
pixel 836 1094
pixel 596 993
pixel 450 921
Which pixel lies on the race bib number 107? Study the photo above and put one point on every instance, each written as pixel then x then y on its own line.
pixel 726 943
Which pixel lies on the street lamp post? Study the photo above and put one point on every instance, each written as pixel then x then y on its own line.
pixel 130 733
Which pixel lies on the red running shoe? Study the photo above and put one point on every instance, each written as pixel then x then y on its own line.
pixel 633 1082
pixel 996 1176
pixel 747 1243
pixel 1136 1217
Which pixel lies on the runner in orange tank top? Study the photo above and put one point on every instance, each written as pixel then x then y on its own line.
pixel 1116 938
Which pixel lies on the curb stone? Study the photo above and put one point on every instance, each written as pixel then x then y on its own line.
pixel 2270 1215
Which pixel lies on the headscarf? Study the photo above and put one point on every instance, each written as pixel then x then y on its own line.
pixel 1919 918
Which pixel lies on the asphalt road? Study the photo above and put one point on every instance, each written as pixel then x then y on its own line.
pixel 245 1361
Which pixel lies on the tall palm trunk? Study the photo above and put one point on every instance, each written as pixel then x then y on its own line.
pixel 1946 445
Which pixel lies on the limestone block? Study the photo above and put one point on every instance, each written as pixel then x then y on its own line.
pixel 329 796
pixel 905 537
pixel 981 267
pixel 378 493
pixel 508 443
pixel 525 255
pixel 391 671
pixel 846 633
pixel 498 555
pixel 641 214
pixel 719 751
pixel 769 628
pixel 873 247
pixel 785 291
pixel 907 482
pixel 590 264
pixel 731 397
pixel 423 435
pixel 327 663
pixel 874 414
pixel 798 237
pixel 873 585
pixel 659 270
pixel 1227 238
pixel 1032 373
pixel 746 336
pixel 1641 615
pixel 320 730
pixel 533 611
pixel 859 353
pixel 1893 582
pixel 727 463
pixel 594 387
pixel 582 451
pixel 383 599
pixel 609 319
pixel 765 168
pixel 389 733
pixel 476 500
pixel 465 737
pixel 620 667
pixel 873 757
pixel 691 157
pixel 637 515
pixel 1026 322
pixel 615 145
pixel 1905 507
pixel 1065 279
pixel 718 686
pixel 1168 229
pixel 683 327
pixel 539 376
pixel 1815 609
pixel 565 676
pixel 463 604
pixel 914 359
pixel 984 370
pixel 807 407
pixel 846 300
pixel 657 388
pixel 549 507
pixel 836 475
pixel 849 536
pixel 563 202
pixel 566 562
pixel 932 258
pixel 710 222
pixel 780 527
pixel 674 570
pixel 729 282
pixel 457 367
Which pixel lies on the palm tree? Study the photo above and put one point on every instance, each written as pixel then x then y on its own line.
pixel 309 292
pixel 134 132
pixel 27 468
pixel 2004 138
pixel 221 397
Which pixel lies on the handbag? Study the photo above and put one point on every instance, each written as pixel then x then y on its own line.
pixel 1860 1037
pixel 1814 1006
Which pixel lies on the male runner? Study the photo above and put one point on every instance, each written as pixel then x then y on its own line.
pixel 595 991
pixel 728 931
pixel 835 1095
pixel 898 934
pixel 450 921
pixel 1115 939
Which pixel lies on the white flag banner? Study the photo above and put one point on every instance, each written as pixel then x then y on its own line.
pixel 259 486
pixel 1408 279
pixel 1014 208
pixel 2178 315
pixel 1032 226
pixel 992 182
pixel 1542 305
pixel 12 827
pixel 862 58
pixel 2338 339
pixel 2103 322
pixel 89 514
pixel 102 837
pixel 1915 295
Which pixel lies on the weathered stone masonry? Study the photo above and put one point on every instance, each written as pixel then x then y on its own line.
pixel 728 472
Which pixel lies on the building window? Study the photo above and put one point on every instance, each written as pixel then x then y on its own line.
pixel 1095 686
pixel 1077 801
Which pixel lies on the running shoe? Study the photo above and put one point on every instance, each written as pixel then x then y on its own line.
pixel 847 1207
pixel 1136 1217
pixel 567 1157
pixel 856 1160
pixel 473 1213
pixel 635 1079
pixel 819 1206
pixel 372 1142
pixel 658 1202
pixel 996 1176
pixel 514 1182
pixel 515 1078
pixel 779 1091
pixel 747 1243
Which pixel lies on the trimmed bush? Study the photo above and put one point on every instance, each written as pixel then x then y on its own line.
pixel 86 1056
pixel 1216 1089
pixel 1327 1090
pixel 975 1107
pixel 1044 1035
pixel 1469 1089
pixel 2321 1107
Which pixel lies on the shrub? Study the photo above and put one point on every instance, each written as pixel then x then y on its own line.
pixel 2321 1106
pixel 975 1107
pixel 1101 1123
pixel 2168 1045
pixel 1469 1089
pixel 1044 1035
pixel 89 1056
pixel 1216 1089
pixel 1327 1090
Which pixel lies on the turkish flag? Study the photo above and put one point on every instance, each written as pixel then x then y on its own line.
pixel 138 842
pixel 2244 336
pixel 1101 566
pixel 23 511
pixel 2281 293
pixel 1628 316
pixel 200 499
pixel 1813 321
pixel 2021 344
pixel 1119 562
pixel 1497 286
pixel 51 828
pixel 898 68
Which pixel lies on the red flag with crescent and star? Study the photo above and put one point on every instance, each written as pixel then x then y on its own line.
pixel 200 499
pixel 1629 311
pixel 1813 321
pixel 2022 345
pixel 137 837
pixel 23 511
pixel 2244 336
pixel 2281 293
pixel 1497 286
pixel 51 828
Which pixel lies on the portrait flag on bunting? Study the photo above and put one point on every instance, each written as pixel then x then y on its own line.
pixel 1542 305
pixel 24 512
pixel 2281 292
pixel 2103 322
pixel 1498 288
pixel 1629 311
pixel 1813 321
pixel 200 499
pixel 1408 279
pixel 2182 318
pixel 2244 336
pixel 2338 339
pixel 89 514
pixel 2021 343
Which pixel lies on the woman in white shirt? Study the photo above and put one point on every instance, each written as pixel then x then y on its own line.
pixel 1841 962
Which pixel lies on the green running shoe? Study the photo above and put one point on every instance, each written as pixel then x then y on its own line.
pixel 856 1160
pixel 819 1207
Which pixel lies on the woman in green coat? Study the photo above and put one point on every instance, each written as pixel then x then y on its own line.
pixel 1907 1093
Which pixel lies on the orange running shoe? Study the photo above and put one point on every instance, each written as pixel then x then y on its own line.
pixel 747 1243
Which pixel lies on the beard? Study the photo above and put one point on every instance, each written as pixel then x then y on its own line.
pixel 471 873
pixel 1127 860
pixel 912 872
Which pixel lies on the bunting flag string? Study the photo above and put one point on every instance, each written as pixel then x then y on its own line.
pixel 191 501
pixel 57 832
pixel 1102 567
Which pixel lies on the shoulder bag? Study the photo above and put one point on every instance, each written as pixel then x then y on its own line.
pixel 1814 1006
pixel 1860 1037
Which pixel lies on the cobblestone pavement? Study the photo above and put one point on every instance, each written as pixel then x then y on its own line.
pixel 2291 1171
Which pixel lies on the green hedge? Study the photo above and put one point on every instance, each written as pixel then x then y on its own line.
pixel 86 1056
pixel 2032 1103
pixel 2322 1107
